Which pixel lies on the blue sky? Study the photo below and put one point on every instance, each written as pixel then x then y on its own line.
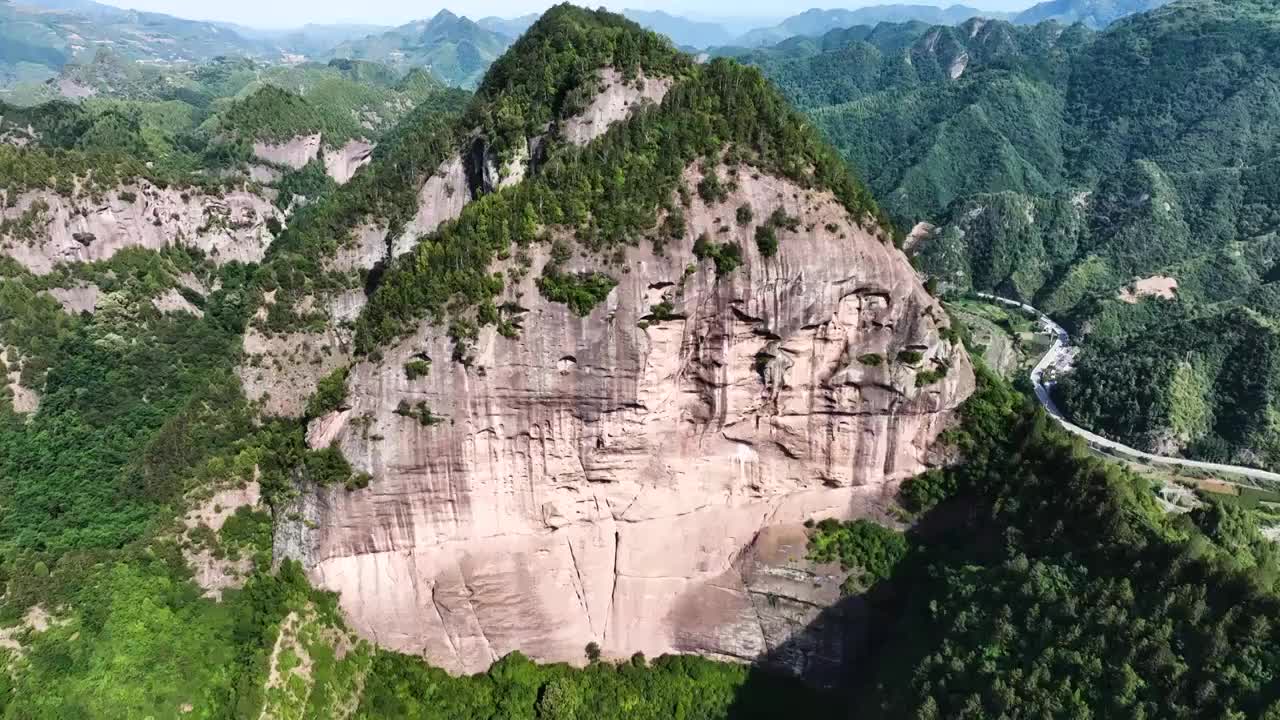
pixel 289 13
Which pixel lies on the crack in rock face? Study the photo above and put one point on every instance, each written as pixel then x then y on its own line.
pixel 640 484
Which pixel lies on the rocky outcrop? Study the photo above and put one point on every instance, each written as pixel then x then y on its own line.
pixel 342 163
pixel 22 399
pixel 294 153
pixel 213 571
pixel 16 135
pixel 638 477
pixel 172 301
pixel 82 298
pixel 442 198
pixel 42 229
pixel 616 101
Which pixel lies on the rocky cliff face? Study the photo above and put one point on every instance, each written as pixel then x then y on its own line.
pixel 638 477
pixel 294 153
pixel 41 229
pixel 340 163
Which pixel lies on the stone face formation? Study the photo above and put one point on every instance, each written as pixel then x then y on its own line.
pixel 638 479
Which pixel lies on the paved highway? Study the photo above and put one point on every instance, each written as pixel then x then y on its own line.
pixel 1059 360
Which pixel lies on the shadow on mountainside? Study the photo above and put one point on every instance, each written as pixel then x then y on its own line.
pixel 832 667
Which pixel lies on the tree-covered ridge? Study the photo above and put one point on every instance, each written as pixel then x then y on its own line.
pixel 550 72
pixel 1061 166
pixel 544 67
pixel 1055 587
pixel 36 43
pixel 1203 381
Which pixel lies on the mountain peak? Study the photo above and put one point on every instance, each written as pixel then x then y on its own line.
pixel 444 16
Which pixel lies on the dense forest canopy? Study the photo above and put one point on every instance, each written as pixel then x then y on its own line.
pixel 1060 166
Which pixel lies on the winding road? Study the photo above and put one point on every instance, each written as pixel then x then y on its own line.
pixel 1059 359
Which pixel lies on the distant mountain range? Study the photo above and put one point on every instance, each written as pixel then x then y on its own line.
pixel 1096 14
pixel 682 31
pixel 513 27
pixel 38 38
pixel 455 49
pixel 815 22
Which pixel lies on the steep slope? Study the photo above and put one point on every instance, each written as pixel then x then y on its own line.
pixel 453 48
pixel 934 113
pixel 679 321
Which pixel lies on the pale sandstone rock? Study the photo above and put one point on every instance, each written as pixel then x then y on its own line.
pixel 295 153
pixel 78 299
pixel 37 620
pixel 17 136
pixel 213 574
pixel 598 481
pixel 193 283
pixel 24 399
pixel 616 102
pixel 920 233
pixel 366 247
pixel 342 163
pixel 73 90
pixel 172 301
pixel 222 504
pixel 442 198
pixel 1158 286
pixel 232 226
pixel 264 174
pixel 283 370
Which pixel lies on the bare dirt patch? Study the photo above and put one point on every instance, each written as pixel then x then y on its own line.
pixel 1159 286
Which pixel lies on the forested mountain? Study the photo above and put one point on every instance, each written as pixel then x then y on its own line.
pixel 1063 166
pixel 452 48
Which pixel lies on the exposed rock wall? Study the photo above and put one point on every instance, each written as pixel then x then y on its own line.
pixel 231 226
pixel 636 481
pixel 22 399
pixel 214 572
pixel 295 153
pixel 342 163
